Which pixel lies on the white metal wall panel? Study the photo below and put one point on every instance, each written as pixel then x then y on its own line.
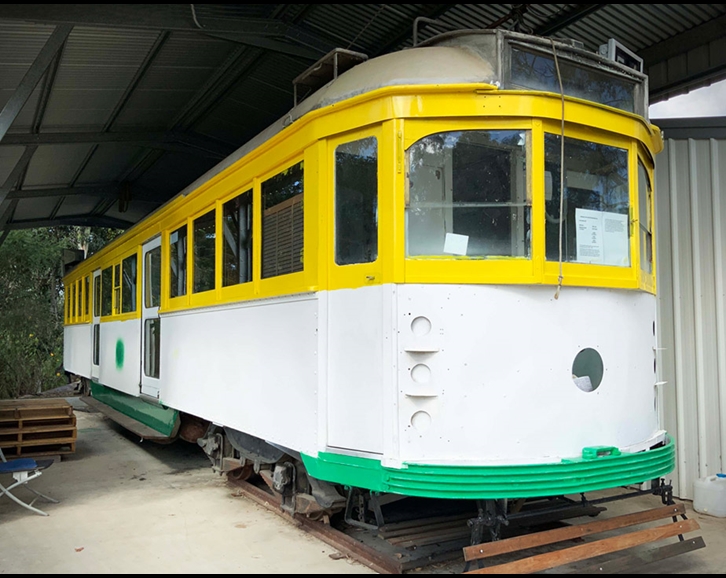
pixel 357 334
pixel 690 223
pixel 501 358
pixel 77 348
pixel 120 353
pixel 250 366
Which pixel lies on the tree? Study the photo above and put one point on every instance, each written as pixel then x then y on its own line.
pixel 31 305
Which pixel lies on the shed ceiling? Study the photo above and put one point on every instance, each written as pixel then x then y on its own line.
pixel 109 110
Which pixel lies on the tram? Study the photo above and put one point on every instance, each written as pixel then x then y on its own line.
pixel 434 277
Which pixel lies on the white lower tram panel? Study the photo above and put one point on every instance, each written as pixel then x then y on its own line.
pixel 449 374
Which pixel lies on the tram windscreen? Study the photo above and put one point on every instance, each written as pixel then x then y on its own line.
pixel 539 72
pixel 595 208
pixel 467 195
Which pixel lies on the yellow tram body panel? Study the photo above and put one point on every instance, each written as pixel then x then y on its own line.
pixel 398 116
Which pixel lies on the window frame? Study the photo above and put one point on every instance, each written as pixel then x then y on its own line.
pixel 288 282
pixel 514 270
pixel 191 254
pixel 508 270
pixel 167 298
pixel 246 290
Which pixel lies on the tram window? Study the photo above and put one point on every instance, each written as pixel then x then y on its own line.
pixel 96 342
pixel 67 296
pixel 86 295
pixel 152 288
pixel 178 262
pixel 73 302
pixel 468 196
pixel 79 299
pixel 97 296
pixel 117 289
pixel 204 259
pixel 106 291
pixel 539 72
pixel 128 286
pixel 151 347
pixel 282 222
pixel 237 240
pixel 595 210
pixel 356 202
pixel 645 218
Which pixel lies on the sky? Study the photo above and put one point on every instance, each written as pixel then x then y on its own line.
pixel 708 101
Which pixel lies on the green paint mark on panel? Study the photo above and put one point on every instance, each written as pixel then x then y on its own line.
pixel 119 354
pixel 495 482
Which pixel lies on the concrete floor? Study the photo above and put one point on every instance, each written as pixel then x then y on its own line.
pixel 130 507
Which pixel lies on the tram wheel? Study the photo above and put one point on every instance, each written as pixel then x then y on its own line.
pixel 241 474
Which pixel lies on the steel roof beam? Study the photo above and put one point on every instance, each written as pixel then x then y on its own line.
pixel 270 44
pixel 138 75
pixel 102 190
pixel 36 71
pixel 91 191
pixel 73 220
pixel 573 16
pixel 168 141
pixel 174 18
pixel 15 174
pixel 7 213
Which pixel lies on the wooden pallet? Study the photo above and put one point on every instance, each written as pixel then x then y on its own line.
pixel 37 427
pixel 594 548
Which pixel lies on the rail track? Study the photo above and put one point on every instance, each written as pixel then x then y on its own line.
pixel 531 540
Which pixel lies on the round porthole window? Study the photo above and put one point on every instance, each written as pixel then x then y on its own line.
pixel 587 370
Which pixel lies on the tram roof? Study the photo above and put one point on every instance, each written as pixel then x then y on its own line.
pixel 110 110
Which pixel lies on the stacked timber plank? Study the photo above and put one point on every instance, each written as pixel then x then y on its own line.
pixel 37 427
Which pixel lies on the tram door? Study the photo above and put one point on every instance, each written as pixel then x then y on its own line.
pixel 355 318
pixel 96 330
pixel 150 322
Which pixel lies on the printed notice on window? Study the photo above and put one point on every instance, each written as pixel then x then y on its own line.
pixel 602 238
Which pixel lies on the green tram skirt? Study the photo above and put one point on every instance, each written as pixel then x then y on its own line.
pixel 593 471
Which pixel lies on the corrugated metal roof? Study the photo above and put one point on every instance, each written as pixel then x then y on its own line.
pixel 173 78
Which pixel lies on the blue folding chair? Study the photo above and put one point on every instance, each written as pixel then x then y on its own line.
pixel 24 470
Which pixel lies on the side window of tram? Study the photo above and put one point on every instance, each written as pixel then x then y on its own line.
pixel 282 222
pixel 96 313
pixel 86 295
pixel 595 210
pixel 117 289
pixel 204 258
pixel 178 262
pixel 467 195
pixel 152 298
pixel 645 218
pixel 97 296
pixel 356 202
pixel 79 299
pixel 152 347
pixel 73 302
pixel 128 284
pixel 152 288
pixel 237 240
pixel 106 291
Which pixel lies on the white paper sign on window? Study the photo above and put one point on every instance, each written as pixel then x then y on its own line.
pixel 456 244
pixel 602 238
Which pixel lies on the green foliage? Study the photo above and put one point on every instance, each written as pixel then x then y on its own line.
pixel 31 305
